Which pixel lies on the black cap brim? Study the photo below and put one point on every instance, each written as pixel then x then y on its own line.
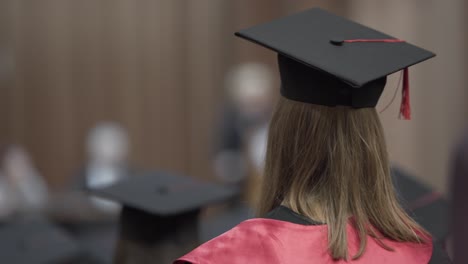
pixel 310 37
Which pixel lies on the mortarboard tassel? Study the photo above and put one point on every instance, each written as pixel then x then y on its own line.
pixel 405 108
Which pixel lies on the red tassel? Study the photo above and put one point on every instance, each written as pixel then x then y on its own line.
pixel 405 108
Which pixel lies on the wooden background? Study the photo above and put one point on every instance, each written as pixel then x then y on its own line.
pixel 157 68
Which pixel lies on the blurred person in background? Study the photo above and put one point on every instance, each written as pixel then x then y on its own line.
pixel 6 199
pixel 243 125
pixel 23 189
pixel 92 220
pixel 460 202
pixel 108 148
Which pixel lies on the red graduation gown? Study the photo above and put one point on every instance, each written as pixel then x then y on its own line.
pixel 262 241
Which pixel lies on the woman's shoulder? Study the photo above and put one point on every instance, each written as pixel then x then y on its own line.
pixel 263 240
pixel 238 245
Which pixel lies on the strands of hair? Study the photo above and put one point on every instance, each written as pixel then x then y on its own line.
pixel 331 164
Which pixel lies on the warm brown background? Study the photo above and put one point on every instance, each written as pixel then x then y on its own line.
pixel 157 67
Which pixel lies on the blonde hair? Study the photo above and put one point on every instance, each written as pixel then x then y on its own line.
pixel 331 163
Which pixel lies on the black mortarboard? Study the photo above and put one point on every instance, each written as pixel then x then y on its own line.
pixel 329 60
pixel 36 241
pixel 156 204
pixel 425 205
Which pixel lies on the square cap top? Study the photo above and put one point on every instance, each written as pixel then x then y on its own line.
pixel 164 194
pixel 316 38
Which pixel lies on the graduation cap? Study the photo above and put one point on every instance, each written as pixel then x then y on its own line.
pixel 328 60
pixel 425 205
pixel 159 206
pixel 36 241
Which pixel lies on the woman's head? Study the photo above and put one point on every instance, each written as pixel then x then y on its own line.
pixel 331 163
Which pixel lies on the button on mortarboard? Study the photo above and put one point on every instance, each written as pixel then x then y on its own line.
pixel 337 42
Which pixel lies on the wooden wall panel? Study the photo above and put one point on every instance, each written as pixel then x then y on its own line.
pixel 173 88
pixel 5 71
pixel 205 64
pixel 83 62
pixel 338 7
pixel 43 75
pixel 13 92
pixel 247 13
pixel 90 93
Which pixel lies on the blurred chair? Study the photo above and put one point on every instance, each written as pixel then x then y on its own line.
pixel 427 206
pixel 37 241
pixel 460 201
pixel 239 156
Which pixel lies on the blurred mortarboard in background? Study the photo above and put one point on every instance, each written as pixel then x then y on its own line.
pixel 36 241
pixel 425 205
pixel 156 205
pixel 328 60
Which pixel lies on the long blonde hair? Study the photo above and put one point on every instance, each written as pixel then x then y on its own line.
pixel 331 163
